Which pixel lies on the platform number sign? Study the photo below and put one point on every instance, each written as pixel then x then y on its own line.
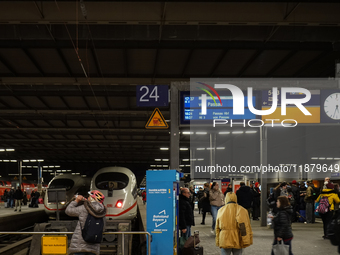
pixel 152 95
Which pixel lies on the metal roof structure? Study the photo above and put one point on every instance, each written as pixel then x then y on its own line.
pixel 68 71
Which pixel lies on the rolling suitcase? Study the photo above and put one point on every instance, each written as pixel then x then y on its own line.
pixel 193 250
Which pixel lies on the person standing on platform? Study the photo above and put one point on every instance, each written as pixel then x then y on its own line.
pixel 327 180
pixel 81 208
pixel 256 201
pixel 233 229
pixel 310 216
pixel 205 202
pixel 332 198
pixel 200 195
pixel 24 198
pixel 11 197
pixel 216 198
pixel 193 195
pixel 186 216
pixel 282 223
pixel 229 189
pixel 245 197
pixel 18 195
pixel 296 194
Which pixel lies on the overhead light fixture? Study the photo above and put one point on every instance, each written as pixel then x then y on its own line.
pixel 336 158
pixel 164 149
pixel 329 158
pixel 10 149
pixel 220 148
pixel 237 132
pixel 13 160
pixel 187 133
pixel 158 159
pixel 25 160
pixel 322 158
pixel 187 165
pixel 45 166
pixel 314 158
pixel 224 133
pixel 200 149
pixel 165 165
pixel 33 160
pixel 5 160
pixel 183 149
pixel 201 133
pixel 40 160
pixel 200 159
pixel 181 165
pixel 251 132
pixel 152 165
pixel 186 159
pixel 2 149
pixel 210 148
pixel 165 159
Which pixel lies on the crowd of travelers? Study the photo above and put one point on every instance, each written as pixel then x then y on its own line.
pixel 15 198
pixel 231 211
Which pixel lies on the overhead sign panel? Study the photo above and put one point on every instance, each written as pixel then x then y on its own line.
pixel 293 113
pixel 152 95
pixel 156 121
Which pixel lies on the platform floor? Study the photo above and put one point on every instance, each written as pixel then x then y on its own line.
pixel 307 237
pixel 11 220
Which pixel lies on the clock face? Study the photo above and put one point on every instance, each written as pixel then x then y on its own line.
pixel 332 105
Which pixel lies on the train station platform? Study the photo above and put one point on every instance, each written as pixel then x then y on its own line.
pixel 13 221
pixel 307 237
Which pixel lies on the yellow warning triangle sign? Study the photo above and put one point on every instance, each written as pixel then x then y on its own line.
pixel 156 121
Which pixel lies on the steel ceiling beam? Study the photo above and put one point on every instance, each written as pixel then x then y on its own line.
pixel 250 62
pixel 311 63
pixel 281 63
pixel 34 61
pixel 174 44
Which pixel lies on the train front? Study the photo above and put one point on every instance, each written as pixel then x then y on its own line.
pixel 119 186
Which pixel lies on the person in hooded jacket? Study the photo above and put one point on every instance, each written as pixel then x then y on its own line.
pixel 81 208
pixel 245 197
pixel 229 189
pixel 233 228
pixel 333 198
pixel 282 223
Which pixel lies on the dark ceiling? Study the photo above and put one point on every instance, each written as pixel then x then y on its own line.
pixel 68 71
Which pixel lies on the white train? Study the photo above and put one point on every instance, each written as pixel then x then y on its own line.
pixel 119 186
pixel 74 184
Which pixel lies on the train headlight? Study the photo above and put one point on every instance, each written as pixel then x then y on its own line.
pixel 119 203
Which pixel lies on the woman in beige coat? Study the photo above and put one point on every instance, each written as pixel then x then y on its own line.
pixel 216 198
pixel 233 229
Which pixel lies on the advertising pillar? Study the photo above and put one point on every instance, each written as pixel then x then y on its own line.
pixel 162 210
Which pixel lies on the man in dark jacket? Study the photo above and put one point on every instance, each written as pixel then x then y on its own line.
pixel 186 216
pixel 18 195
pixel 245 197
pixel 310 216
pixel 296 193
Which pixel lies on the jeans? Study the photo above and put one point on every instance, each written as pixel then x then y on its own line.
pixel 286 243
pixel 214 210
pixel 188 233
pixel 231 251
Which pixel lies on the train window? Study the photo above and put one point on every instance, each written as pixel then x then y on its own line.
pixel 111 181
pixel 62 183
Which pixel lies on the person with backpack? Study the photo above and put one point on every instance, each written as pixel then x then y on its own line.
pixel 233 228
pixel 327 199
pixel 89 211
pixel 309 199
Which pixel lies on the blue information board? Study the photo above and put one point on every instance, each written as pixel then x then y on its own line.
pixel 152 95
pixel 161 210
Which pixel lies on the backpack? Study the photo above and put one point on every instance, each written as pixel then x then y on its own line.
pixel 93 229
pixel 333 230
pixel 324 205
pixel 315 193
